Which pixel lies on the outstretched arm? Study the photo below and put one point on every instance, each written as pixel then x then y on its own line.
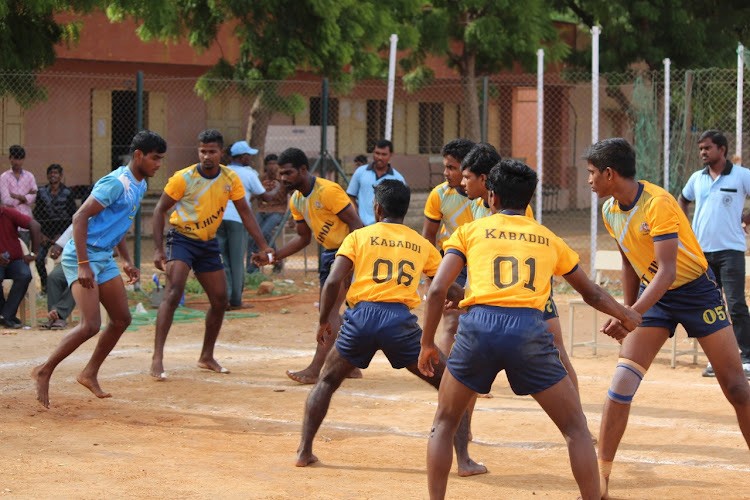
pixel 251 224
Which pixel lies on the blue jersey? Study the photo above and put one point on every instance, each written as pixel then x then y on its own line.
pixel 121 195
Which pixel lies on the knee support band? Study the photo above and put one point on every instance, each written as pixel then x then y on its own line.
pixel 627 378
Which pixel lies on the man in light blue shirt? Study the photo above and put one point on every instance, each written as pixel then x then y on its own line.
pixel 362 184
pixel 232 235
pixel 719 191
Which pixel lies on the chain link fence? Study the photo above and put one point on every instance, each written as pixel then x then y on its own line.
pixel 85 123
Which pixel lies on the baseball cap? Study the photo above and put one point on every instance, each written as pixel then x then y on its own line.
pixel 241 148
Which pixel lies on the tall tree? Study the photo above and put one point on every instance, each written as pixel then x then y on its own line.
pixel 28 36
pixel 692 33
pixel 478 38
pixel 338 39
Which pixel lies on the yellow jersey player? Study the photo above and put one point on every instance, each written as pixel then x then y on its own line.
pixel 388 259
pixel 665 278
pixel 323 211
pixel 200 194
pixel 511 260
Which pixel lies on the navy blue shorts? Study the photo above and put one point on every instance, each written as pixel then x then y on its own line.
pixel 324 268
pixel 201 256
pixel 388 326
pixel 550 309
pixel 697 305
pixel 515 339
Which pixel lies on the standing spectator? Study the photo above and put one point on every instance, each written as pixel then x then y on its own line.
pixel 269 213
pixel 60 301
pixel 14 265
pixel 53 210
pixel 719 191
pixel 366 177
pixel 231 235
pixel 18 186
pixel 359 160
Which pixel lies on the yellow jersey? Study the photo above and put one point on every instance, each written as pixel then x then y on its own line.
pixel 201 201
pixel 389 260
pixel 511 260
pixel 451 208
pixel 319 209
pixel 653 216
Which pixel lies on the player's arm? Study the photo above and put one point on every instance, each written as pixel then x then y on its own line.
pixel 163 206
pixel 630 281
pixel 449 269
pixel 340 270
pixel 350 217
pixel 598 298
pixel 303 238
pixel 88 209
pixel 251 224
pixel 134 274
pixel 430 230
pixel 665 254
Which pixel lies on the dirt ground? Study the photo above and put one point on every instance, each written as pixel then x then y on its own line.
pixel 205 435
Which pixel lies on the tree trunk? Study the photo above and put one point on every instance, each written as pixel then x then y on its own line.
pixel 471 100
pixel 257 126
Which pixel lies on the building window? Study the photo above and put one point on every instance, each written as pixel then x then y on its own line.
pixel 430 127
pixel 375 122
pixel 316 111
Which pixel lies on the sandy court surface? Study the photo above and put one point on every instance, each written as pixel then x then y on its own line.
pixel 205 435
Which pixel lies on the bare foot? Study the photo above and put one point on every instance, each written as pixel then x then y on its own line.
pixel 92 384
pixel 157 370
pixel 604 486
pixel 471 468
pixel 305 458
pixel 302 376
pixel 356 373
pixel 42 385
pixel 52 315
pixel 212 365
pixel 486 396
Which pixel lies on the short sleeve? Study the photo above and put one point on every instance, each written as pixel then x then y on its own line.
pixel 662 216
pixel 688 192
pixel 296 214
pixel 348 247
pixel 253 183
pixel 457 241
pixel 745 179
pixel 238 190
pixel 567 258
pixel 175 187
pixel 432 206
pixel 335 198
pixel 108 189
pixel 18 218
pixel 433 260
pixel 353 188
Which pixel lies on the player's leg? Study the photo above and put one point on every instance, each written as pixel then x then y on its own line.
pixel 722 352
pixel 335 371
pixel 453 400
pixel 214 284
pixel 88 302
pixel 733 281
pixel 115 300
pixel 563 405
pixel 237 246
pixel 176 276
pixel 553 325
pixel 638 351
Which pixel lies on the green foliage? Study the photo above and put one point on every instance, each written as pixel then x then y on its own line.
pixel 193 286
pixel 692 33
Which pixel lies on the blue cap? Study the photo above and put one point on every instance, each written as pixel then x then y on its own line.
pixel 242 147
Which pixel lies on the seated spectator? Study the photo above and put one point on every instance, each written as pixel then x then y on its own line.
pixel 269 212
pixel 60 301
pixel 18 186
pixel 14 265
pixel 53 211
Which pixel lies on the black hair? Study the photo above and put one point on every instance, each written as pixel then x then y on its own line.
pixel 211 135
pixel 17 152
pixel 55 166
pixel 615 153
pixel 513 182
pixel 270 158
pixel 481 158
pixel 295 156
pixel 147 142
pixel 361 159
pixel 717 137
pixel 384 143
pixel 393 196
pixel 457 148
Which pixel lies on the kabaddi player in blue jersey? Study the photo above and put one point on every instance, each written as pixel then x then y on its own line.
pixel 511 259
pixel 99 226
pixel 666 278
